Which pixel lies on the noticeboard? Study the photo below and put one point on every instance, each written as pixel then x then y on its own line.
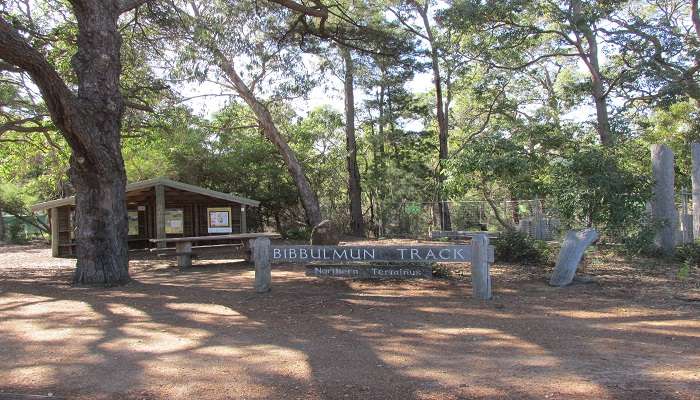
pixel 219 220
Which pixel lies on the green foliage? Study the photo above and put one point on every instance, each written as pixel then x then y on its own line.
pixel 640 239
pixel 15 232
pixel 513 246
pixel 298 233
pixel 592 186
pixel 689 256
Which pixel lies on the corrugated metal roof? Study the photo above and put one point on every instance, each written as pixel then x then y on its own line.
pixel 152 183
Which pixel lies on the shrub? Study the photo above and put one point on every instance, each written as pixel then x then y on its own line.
pixel 301 233
pixel 15 232
pixel 640 240
pixel 513 246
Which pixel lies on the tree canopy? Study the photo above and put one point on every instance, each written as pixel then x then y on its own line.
pixel 449 102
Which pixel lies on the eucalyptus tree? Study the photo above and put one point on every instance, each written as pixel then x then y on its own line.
pixel 517 35
pixel 416 18
pixel 354 185
pixel 659 44
pixel 246 42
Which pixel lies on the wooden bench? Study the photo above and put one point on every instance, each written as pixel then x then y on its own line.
pixel 183 245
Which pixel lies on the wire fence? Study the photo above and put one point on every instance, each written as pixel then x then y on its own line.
pixel 417 220
pixel 538 218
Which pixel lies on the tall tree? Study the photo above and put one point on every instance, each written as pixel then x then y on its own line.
pixel 517 35
pixel 354 186
pixel 90 121
pixel 660 46
pixel 222 43
pixel 427 33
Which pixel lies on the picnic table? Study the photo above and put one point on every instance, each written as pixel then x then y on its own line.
pixel 184 245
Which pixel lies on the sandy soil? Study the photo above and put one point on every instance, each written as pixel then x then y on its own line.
pixel 205 334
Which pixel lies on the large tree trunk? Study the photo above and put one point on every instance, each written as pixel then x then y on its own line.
pixel 99 176
pixel 354 187
pixel 90 123
pixel 445 220
pixel 269 129
pixel 601 112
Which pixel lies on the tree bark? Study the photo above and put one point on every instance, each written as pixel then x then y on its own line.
pixel 91 123
pixel 590 58
pixel 308 197
pixel 601 110
pixel 354 186
pixel 441 116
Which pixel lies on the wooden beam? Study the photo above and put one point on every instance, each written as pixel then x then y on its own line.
pixel 55 229
pixel 160 214
pixel 244 225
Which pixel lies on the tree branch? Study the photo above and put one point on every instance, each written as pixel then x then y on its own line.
pixel 128 5
pixel 319 12
pixel 60 101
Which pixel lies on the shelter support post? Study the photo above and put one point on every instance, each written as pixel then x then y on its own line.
pixel 160 215
pixel 55 229
pixel 244 223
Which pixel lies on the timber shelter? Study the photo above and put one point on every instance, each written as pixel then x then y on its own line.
pixel 158 209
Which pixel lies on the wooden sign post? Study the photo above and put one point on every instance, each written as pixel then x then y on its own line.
pixel 339 261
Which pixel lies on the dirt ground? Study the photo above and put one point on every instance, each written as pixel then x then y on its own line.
pixel 205 334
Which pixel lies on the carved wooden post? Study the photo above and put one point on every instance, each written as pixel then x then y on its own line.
pixel 263 273
pixel 575 243
pixel 695 154
pixel 481 276
pixel 663 203
pixel 686 220
pixel 183 251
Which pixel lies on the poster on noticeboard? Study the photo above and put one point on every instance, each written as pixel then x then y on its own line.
pixel 219 219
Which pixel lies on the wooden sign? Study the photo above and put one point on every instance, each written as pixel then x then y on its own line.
pixel 370 271
pixel 324 261
pixel 305 254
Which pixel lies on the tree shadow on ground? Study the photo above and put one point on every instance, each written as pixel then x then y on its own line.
pixel 204 332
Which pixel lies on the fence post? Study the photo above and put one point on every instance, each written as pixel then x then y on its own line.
pixel 481 275
pixel 261 257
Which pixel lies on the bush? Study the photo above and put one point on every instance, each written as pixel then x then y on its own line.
pixel 15 232
pixel 301 233
pixel 640 241
pixel 513 246
pixel 689 256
